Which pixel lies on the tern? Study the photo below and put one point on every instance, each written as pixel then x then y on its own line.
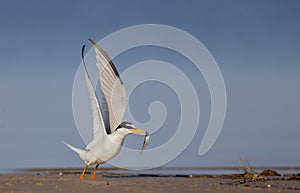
pixel 109 131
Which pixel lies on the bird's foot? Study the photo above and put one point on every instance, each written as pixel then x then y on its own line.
pixel 94 177
pixel 82 177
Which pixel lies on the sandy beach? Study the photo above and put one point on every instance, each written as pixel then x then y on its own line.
pixel 68 181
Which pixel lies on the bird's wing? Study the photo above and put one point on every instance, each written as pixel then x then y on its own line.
pixel 98 124
pixel 112 87
pixel 105 113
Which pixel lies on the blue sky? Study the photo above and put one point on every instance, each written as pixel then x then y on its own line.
pixel 256 44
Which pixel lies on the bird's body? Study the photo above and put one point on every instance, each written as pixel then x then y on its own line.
pixel 109 131
pixel 108 149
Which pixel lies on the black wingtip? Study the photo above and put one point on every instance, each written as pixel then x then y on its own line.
pixel 106 56
pixel 92 41
pixel 82 52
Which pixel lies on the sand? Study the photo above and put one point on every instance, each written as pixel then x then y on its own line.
pixel 63 181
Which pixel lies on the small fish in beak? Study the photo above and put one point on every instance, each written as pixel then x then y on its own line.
pixel 141 132
pixel 146 141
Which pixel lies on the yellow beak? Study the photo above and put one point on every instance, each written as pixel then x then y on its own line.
pixel 138 131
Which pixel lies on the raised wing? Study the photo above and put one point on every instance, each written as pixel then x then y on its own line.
pixel 112 87
pixel 98 124
pixel 105 114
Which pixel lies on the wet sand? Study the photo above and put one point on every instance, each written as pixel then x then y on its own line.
pixel 45 181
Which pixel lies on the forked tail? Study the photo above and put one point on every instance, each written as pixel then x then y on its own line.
pixel 80 152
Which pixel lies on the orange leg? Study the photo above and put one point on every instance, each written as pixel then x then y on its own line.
pixel 94 177
pixel 83 172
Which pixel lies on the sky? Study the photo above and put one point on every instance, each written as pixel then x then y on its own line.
pixel 255 43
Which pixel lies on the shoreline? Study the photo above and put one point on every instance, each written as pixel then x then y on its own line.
pixel 216 169
pixel 116 180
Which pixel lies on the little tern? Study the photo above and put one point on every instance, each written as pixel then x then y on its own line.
pixel 109 131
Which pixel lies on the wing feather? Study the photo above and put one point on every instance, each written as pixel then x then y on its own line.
pixel 112 87
pixel 98 124
pixel 105 114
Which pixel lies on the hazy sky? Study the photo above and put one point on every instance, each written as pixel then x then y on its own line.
pixel 255 43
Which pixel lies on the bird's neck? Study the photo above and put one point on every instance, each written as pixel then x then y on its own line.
pixel 119 137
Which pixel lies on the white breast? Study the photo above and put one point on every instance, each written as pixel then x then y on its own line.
pixel 106 149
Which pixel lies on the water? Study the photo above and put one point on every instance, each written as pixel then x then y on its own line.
pixel 167 171
pixel 204 171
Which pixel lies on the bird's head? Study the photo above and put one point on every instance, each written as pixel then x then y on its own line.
pixel 130 128
pixel 127 128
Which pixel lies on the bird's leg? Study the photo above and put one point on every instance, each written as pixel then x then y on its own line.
pixel 94 177
pixel 83 172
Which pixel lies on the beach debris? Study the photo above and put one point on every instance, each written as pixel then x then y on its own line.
pixel 247 168
pixel 269 186
pixel 249 172
pixel 60 173
pixel 294 178
pixel 268 172
pixel 252 176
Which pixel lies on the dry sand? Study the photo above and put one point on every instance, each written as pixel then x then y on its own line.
pixel 64 181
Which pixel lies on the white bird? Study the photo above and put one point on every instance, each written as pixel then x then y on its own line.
pixel 109 131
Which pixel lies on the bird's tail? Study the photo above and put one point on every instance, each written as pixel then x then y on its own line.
pixel 80 152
